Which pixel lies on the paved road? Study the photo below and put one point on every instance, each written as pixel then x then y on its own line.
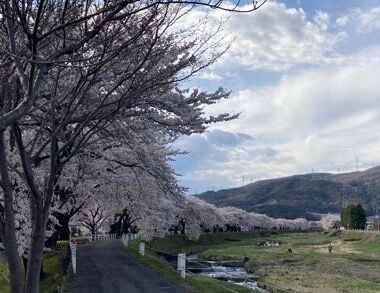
pixel 105 267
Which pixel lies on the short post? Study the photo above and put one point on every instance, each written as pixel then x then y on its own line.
pixel 142 248
pixel 73 248
pixel 181 264
pixel 125 240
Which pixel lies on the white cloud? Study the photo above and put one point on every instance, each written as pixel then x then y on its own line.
pixel 363 21
pixel 369 20
pixel 275 37
pixel 342 21
pixel 209 75
pixel 322 19
pixel 321 114
pixel 278 38
pixel 316 118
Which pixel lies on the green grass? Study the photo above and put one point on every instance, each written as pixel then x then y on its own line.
pixel 192 282
pixel 354 265
pixel 52 268
pixel 4 285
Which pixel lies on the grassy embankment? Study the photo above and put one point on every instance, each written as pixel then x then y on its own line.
pixel 354 265
pixel 192 282
pixel 52 267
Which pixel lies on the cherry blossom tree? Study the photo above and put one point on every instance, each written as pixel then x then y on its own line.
pixel 93 218
pixel 78 75
pixel 331 221
pixel 200 216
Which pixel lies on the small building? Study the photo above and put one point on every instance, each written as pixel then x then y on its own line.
pixel 369 223
pixel 376 224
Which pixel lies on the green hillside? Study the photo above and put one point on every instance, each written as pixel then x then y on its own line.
pixel 302 195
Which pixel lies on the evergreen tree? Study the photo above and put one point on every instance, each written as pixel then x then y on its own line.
pixel 353 217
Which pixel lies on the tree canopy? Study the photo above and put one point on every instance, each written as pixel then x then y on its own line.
pixel 353 217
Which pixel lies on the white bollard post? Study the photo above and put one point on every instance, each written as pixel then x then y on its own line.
pixel 126 240
pixel 181 264
pixel 142 248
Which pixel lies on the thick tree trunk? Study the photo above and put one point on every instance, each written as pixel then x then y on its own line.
pixel 40 206
pixel 14 265
pixel 9 228
pixel 35 255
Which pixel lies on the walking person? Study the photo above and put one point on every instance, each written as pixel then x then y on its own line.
pixel 330 248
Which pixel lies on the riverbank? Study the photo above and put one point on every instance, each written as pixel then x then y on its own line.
pixel 353 266
pixel 192 282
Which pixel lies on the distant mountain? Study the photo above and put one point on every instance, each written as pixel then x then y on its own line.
pixel 302 195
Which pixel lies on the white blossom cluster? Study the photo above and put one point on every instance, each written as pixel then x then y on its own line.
pixel 201 217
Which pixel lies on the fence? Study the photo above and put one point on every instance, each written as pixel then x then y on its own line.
pixel 98 237
pixel 363 231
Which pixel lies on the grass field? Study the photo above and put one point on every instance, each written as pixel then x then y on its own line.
pixel 52 268
pixel 353 266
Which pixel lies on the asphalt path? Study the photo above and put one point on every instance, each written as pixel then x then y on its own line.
pixel 105 267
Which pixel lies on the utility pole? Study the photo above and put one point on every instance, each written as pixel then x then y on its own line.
pixel 344 198
pixel 357 164
pixel 376 220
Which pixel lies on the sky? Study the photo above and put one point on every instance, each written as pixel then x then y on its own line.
pixel 305 76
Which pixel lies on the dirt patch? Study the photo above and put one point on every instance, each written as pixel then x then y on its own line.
pixel 338 247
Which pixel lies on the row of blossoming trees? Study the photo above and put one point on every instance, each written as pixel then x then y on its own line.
pixel 91 98
pixel 191 216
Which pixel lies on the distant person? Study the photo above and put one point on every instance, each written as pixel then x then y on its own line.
pixel 330 248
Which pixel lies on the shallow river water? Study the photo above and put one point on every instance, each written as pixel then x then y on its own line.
pixel 237 275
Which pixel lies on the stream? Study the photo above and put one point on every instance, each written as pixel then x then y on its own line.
pixel 229 271
pixel 233 272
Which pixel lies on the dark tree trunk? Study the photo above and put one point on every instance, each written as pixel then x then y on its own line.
pixel 35 255
pixel 8 228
